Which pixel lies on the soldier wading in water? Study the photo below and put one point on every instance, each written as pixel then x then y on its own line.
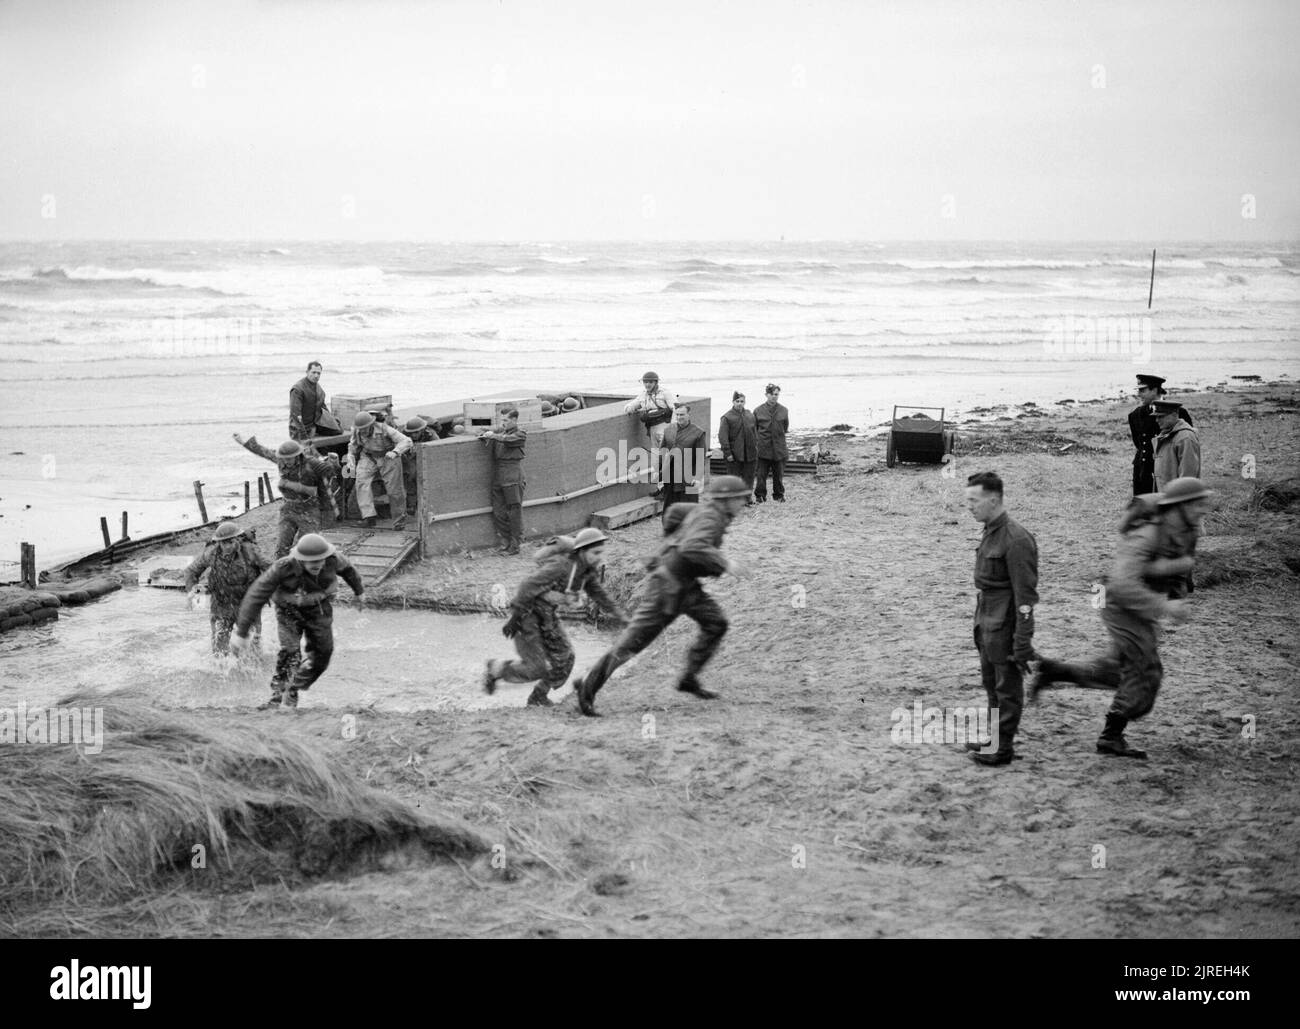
pixel 302 585
pixel 568 567
pixel 692 548
pixel 233 565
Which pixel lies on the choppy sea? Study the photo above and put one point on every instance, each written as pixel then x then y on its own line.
pixel 124 367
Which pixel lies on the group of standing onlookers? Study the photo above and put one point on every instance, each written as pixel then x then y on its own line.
pixel 753 443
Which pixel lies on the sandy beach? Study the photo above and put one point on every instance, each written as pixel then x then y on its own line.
pixel 784 808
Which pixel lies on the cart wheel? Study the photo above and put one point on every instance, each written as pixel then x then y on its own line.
pixel 890 460
pixel 950 441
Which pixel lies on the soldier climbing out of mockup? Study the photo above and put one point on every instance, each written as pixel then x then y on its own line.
pixel 306 484
pixel 376 449
pixel 233 564
pixel 567 568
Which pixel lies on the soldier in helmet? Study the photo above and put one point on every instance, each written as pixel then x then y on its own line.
pixel 306 486
pixel 233 563
pixel 1146 582
pixel 376 449
pixel 302 586
pixel 417 431
pixel 692 548
pixel 567 568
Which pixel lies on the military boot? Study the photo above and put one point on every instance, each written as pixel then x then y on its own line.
pixel 290 699
pixel 690 684
pixel 1049 672
pixel 586 697
pixel 277 694
pixel 1111 740
pixel 490 677
pixel 538 698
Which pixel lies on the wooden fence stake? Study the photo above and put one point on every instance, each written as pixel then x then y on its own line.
pixel 29 566
pixel 246 496
pixel 103 527
pixel 124 535
pixel 269 495
pixel 198 495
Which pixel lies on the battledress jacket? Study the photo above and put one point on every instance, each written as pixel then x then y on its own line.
pixel 288 582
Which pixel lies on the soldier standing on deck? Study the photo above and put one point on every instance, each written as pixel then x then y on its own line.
pixel 568 567
pixel 1147 580
pixel 1006 574
pixel 306 403
pixel 235 564
pixel 376 448
pixel 306 487
pixel 302 586
pixel 1143 427
pixel 508 480
pixel 417 431
pixel 692 548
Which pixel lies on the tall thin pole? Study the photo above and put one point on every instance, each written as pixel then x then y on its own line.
pixel 1152 291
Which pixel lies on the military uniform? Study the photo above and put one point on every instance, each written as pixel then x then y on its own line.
pixel 544 650
pixel 685 463
pixel 508 486
pixel 738 437
pixel 772 422
pixel 692 549
pixel 368 450
pixel 303 610
pixel 1177 454
pixel 1143 429
pixel 1151 566
pixel 300 510
pixel 425 435
pixel 229 577
pixel 1006 574
pixel 306 403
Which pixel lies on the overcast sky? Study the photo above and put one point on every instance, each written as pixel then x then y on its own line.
pixel 383 119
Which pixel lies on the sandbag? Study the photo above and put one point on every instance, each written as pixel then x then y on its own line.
pixel 14 621
pixel 100 587
pixel 43 614
pixel 73 598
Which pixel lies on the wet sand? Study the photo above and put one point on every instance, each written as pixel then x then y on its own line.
pixel 784 808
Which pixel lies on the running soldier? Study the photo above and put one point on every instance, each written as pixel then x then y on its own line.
pixel 376 448
pixel 302 587
pixel 1157 537
pixel 568 567
pixel 233 565
pixel 692 548
pixel 306 486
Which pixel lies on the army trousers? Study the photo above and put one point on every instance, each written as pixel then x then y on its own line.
pixel 1131 667
pixel 1004 685
pixel 389 469
pixel 296 521
pixel 508 511
pixel 313 623
pixel 222 618
pixel 664 600
pixel 545 652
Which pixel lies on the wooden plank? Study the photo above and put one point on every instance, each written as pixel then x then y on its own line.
pixel 718 466
pixel 625 514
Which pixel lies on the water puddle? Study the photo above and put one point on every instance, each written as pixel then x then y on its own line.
pixel 150 638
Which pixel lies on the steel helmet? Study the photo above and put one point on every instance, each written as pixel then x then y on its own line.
pixel 363 419
pixel 1184 489
pixel 571 403
pixel 312 548
pixel 548 408
pixel 588 538
pixel 725 486
pixel 416 424
pixel 650 377
pixel 226 531
pixel 288 450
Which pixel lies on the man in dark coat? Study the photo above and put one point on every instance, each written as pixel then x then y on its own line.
pixel 738 437
pixel 772 422
pixel 1006 575
pixel 1147 581
pixel 1143 428
pixel 233 564
pixel 567 568
pixel 692 548
pixel 302 585
pixel 417 431
pixel 685 459
pixel 306 403
pixel 306 487
pixel 508 480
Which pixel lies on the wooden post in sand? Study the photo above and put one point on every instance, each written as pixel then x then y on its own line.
pixel 261 494
pixel 246 496
pixel 124 535
pixel 103 527
pixel 198 495
pixel 1152 291
pixel 29 566
pixel 269 495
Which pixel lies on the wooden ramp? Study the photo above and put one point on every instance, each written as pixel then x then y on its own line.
pixel 625 514
pixel 376 553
